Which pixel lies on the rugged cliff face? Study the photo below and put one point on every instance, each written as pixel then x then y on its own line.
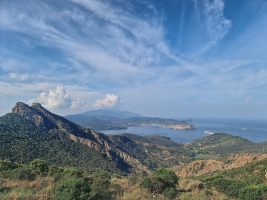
pixel 33 115
pixel 44 119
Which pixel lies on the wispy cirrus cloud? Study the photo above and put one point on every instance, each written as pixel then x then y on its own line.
pixel 217 24
pixel 100 47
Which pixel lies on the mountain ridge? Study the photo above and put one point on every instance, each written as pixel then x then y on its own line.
pixel 98 141
pixel 127 153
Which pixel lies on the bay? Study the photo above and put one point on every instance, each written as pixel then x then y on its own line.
pixel 251 129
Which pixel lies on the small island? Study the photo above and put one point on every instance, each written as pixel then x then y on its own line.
pixel 180 126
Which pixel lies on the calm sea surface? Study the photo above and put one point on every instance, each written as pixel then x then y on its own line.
pixel 254 130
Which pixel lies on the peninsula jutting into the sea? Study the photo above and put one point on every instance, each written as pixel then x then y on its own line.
pixel 110 119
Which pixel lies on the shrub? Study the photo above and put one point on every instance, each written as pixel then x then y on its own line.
pixel 228 186
pixel 72 189
pixel 56 172
pixel 39 166
pixel 163 181
pixel 6 165
pixel 258 192
pixel 152 184
pixel 100 185
pixel 170 193
pixel 168 177
pixel 72 172
pixel 23 173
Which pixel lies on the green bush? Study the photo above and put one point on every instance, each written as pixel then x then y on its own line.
pixel 153 185
pixel 170 193
pixel 6 165
pixel 23 173
pixel 227 186
pixel 258 192
pixel 72 189
pixel 72 172
pixel 39 166
pixel 168 177
pixel 163 181
pixel 100 185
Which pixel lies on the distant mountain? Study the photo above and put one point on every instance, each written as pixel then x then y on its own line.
pixel 32 132
pixel 109 119
pixel 97 122
pixel 103 119
pixel 111 113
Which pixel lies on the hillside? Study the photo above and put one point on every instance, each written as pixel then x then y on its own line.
pixel 202 167
pixel 245 183
pixel 22 141
pixel 220 144
pixel 154 152
pixel 32 132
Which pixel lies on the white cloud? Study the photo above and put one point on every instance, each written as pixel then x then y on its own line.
pixel 110 100
pixel 19 77
pixel 217 24
pixel 57 98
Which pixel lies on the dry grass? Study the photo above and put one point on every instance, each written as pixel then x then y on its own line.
pixel 134 192
pixel 26 184
pixel 204 194
pixel 137 193
pixel 38 189
pixel 194 190
pixel 190 185
pixel 201 167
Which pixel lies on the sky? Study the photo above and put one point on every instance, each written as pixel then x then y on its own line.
pixel 169 58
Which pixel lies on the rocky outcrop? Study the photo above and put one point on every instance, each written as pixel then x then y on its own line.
pixel 32 114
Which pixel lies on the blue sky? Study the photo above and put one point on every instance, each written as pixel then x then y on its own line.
pixel 177 58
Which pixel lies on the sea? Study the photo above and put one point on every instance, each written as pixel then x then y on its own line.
pixel 251 129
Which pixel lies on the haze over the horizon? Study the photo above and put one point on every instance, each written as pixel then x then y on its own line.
pixel 179 58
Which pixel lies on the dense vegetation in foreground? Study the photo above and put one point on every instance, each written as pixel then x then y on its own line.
pixel 38 180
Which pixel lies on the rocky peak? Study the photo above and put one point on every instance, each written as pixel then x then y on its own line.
pixel 20 108
pixel 32 114
pixel 36 105
pixel 41 117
